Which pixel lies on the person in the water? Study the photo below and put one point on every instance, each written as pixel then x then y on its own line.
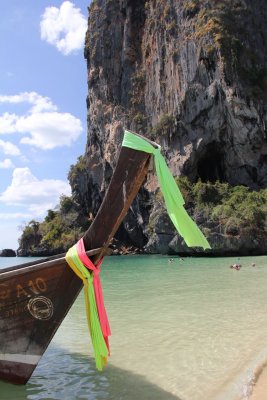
pixel 236 266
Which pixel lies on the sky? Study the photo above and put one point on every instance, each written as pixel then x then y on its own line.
pixel 43 88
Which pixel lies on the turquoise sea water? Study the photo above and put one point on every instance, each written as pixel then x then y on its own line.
pixel 190 329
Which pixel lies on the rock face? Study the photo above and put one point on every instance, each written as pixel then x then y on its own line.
pixel 7 253
pixel 191 75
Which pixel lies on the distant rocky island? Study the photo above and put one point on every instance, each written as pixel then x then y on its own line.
pixel 7 253
pixel 191 76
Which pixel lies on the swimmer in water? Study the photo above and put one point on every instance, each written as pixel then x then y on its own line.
pixel 236 266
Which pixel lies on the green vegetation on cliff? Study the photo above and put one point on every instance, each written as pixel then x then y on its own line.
pixel 60 229
pixel 226 21
pixel 233 210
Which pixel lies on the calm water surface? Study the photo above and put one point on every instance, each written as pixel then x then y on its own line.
pixel 192 329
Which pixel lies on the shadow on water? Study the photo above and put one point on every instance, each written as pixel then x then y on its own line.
pixel 65 376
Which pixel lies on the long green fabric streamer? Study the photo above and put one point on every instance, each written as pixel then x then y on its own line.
pixel 98 342
pixel 174 201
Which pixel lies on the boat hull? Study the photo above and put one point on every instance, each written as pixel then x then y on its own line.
pixel 35 297
pixel 16 372
pixel 33 305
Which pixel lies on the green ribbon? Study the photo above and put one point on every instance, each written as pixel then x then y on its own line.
pixel 98 342
pixel 174 201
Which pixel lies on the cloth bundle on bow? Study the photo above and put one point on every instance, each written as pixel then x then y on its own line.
pixel 96 314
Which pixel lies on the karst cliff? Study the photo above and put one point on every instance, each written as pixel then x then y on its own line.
pixel 192 76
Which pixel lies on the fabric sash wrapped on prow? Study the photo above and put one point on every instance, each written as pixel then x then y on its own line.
pixel 174 201
pixel 95 269
pixel 96 314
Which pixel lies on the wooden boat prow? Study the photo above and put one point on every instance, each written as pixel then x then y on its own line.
pixel 36 296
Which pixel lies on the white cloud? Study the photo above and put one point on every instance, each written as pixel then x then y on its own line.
pixel 45 127
pixel 7 163
pixel 8 216
pixel 50 130
pixel 36 195
pixel 9 148
pixel 8 123
pixel 9 233
pixel 64 27
pixel 40 103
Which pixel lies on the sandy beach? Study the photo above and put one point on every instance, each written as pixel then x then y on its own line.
pixel 260 389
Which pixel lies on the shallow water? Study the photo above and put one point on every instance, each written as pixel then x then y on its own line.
pixel 191 329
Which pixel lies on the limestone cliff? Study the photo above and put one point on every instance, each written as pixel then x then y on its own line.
pixel 190 74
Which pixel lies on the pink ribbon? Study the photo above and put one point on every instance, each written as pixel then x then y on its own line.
pixel 103 318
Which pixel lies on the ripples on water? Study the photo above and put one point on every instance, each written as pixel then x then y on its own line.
pixel 186 330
